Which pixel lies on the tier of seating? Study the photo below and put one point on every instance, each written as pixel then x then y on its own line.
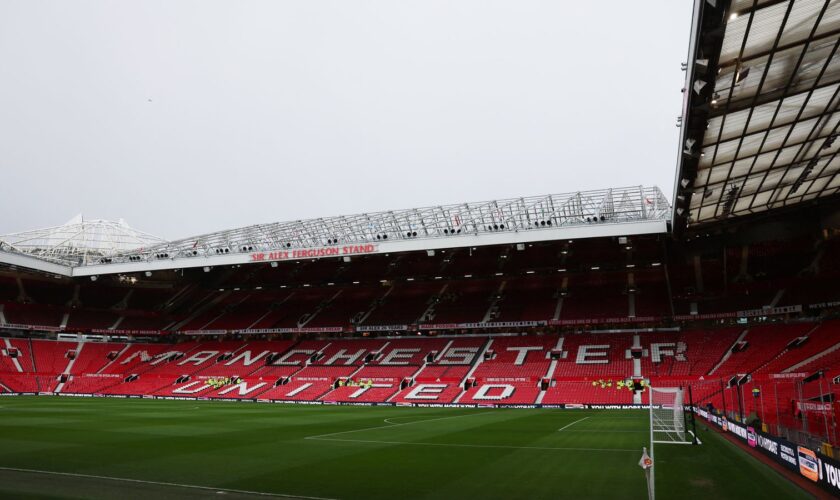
pixel 584 392
pixel 577 281
pixel 506 369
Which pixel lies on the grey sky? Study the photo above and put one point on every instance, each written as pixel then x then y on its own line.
pixel 186 117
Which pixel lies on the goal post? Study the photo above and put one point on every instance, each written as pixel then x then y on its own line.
pixel 668 423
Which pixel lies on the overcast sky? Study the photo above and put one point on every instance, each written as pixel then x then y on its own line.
pixel 185 117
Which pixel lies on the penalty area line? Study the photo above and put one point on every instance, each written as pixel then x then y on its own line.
pixel 389 420
pixel 457 445
pixel 162 483
pixel 573 423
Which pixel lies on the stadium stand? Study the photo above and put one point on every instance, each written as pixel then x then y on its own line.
pixel 561 322
pixel 546 369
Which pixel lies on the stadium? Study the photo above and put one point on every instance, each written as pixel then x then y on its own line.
pixel 528 347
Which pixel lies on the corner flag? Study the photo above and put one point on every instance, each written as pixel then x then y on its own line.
pixel 646 463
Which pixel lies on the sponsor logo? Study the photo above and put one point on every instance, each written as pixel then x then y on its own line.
pixel 808 465
pixel 788 454
pixel 832 474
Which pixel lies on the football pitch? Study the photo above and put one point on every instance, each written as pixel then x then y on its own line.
pixel 60 447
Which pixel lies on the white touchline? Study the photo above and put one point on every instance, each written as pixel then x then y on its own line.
pixel 161 483
pixel 397 425
pixel 457 445
pixel 609 431
pixel 573 423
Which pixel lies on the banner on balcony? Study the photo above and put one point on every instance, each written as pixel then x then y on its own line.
pixel 488 324
pixel 603 321
pixel 382 328
pixel 806 406
pixel 135 333
pixel 748 313
pixel 15 326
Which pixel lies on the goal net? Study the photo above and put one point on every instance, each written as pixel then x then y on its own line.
pixel 667 415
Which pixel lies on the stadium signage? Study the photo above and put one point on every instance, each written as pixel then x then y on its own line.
pixel 127 332
pixel 769 311
pixel 824 305
pixel 804 406
pixel 264 331
pixel 381 328
pixel 793 375
pixel 489 324
pixel 204 332
pixel 357 403
pixel 603 321
pixel 15 326
pixel 314 253
pixel 320 329
pixel 750 313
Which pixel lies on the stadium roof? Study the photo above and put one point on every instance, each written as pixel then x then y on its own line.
pixel 78 241
pixel 760 115
pixel 583 214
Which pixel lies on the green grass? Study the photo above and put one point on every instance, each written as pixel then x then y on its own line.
pixel 353 452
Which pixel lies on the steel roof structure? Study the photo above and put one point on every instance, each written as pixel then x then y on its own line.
pixel 582 214
pixel 78 241
pixel 760 118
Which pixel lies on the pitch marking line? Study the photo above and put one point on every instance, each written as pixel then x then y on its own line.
pixel 457 445
pixel 611 431
pixel 573 423
pixel 161 483
pixel 325 437
pixel 397 425
pixel 389 419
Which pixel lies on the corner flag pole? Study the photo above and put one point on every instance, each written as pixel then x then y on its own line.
pixel 649 473
pixel 646 463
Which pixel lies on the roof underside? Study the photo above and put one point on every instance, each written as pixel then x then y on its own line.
pixel 760 129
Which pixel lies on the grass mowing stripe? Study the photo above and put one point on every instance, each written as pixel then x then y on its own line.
pixel 162 483
pixel 517 454
pixel 397 425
